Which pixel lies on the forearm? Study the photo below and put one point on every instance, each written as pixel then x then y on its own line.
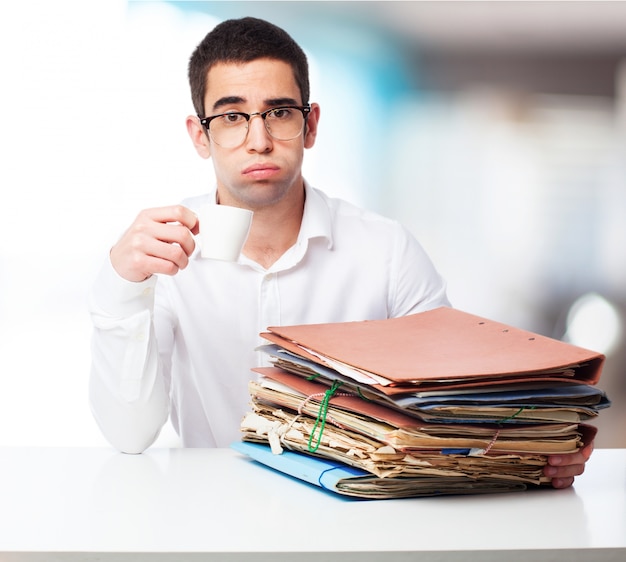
pixel 127 394
pixel 127 391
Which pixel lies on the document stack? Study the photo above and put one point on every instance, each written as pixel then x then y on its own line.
pixel 436 403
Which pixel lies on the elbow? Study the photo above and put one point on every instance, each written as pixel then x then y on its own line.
pixel 132 434
pixel 129 427
pixel 135 446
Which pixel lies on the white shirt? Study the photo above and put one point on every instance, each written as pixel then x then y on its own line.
pixel 186 344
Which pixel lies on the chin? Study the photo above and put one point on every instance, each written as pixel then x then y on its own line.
pixel 264 195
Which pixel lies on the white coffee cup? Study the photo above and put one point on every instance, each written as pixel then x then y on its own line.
pixel 223 231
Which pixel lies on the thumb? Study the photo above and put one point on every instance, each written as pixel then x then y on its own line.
pixel 196 227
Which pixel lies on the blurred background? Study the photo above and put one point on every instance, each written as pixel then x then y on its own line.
pixel 496 131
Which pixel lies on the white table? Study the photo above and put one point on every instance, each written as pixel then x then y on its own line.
pixel 213 504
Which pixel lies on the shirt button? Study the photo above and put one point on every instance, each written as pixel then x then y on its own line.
pixel 147 292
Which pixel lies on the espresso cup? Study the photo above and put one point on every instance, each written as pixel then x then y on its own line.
pixel 223 231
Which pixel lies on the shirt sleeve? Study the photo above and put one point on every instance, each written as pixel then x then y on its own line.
pixel 127 391
pixel 416 284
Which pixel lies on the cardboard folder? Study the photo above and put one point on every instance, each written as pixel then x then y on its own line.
pixel 444 347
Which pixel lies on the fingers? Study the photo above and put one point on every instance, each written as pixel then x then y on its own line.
pixel 565 471
pixel 560 483
pixel 580 457
pixel 172 214
pixel 563 468
pixel 160 240
pixel 170 234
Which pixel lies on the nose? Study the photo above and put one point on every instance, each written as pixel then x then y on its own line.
pixel 258 139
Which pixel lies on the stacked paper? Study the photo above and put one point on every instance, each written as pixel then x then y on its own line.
pixel 441 402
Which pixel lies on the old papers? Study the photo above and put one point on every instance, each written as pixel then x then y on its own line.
pixel 340 478
pixel 277 388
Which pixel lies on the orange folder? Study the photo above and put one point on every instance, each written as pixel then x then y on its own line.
pixel 444 347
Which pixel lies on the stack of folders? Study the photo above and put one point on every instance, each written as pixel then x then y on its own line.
pixel 436 403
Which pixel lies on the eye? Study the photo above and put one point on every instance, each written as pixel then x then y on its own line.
pixel 280 113
pixel 231 119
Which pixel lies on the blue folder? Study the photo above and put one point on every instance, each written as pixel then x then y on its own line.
pixel 321 472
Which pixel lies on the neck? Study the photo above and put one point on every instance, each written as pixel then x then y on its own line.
pixel 275 229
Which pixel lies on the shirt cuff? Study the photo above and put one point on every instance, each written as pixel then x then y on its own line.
pixel 117 297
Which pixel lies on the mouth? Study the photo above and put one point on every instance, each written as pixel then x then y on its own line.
pixel 260 171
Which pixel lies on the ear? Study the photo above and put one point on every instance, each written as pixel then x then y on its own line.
pixel 199 136
pixel 311 126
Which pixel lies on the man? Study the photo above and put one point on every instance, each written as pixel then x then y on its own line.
pixel 183 345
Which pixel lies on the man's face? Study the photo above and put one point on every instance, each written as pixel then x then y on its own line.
pixel 261 171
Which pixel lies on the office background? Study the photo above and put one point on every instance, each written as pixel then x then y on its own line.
pixel 496 131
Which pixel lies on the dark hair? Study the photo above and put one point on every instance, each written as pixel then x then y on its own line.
pixel 244 40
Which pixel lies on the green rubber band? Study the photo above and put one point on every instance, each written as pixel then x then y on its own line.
pixel 320 421
pixel 516 414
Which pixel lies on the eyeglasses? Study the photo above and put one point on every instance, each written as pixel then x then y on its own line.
pixel 229 130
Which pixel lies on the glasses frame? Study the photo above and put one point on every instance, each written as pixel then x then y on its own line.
pixel 206 121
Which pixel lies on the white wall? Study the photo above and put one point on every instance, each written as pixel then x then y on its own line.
pixel 92 112
pixel 92 130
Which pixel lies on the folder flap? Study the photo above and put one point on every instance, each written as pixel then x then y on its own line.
pixel 443 344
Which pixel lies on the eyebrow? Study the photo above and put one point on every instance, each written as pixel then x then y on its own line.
pixel 271 102
pixel 227 100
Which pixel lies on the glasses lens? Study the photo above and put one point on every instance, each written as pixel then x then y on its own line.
pixel 284 123
pixel 228 130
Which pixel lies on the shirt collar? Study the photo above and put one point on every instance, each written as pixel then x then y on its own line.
pixel 316 220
